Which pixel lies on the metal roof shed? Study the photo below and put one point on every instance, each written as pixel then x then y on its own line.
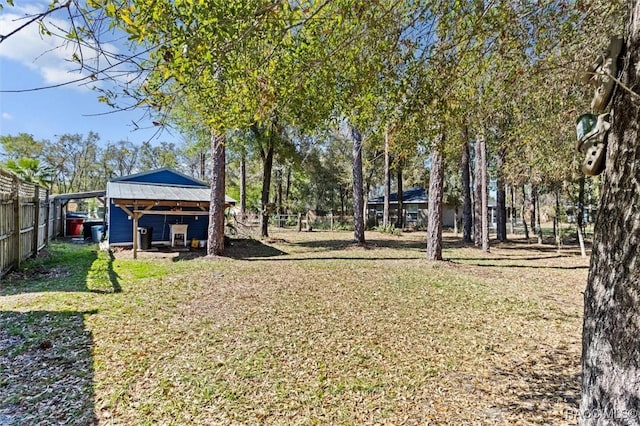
pixel 157 199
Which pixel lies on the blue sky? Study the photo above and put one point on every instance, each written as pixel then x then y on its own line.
pixel 28 60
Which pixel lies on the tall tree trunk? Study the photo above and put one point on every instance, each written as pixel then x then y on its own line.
pixel 358 193
pixel 203 162
pixel 215 245
pixel 280 191
pixel 243 186
pixel 467 216
pixel 456 213
pixel 436 192
pixel 538 216
pixel 611 330
pixel 484 194
pixel 579 213
pixel 387 182
pixel 532 208
pixel 267 166
pixel 501 200
pixel 400 221
pixel 287 190
pixel 524 215
pixel 514 214
pixel 580 218
pixel 477 198
pixel 556 220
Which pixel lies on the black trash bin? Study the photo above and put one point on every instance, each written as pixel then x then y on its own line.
pixel 144 237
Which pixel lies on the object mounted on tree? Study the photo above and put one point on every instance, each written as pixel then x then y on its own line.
pixel 602 75
pixel 592 130
pixel 592 135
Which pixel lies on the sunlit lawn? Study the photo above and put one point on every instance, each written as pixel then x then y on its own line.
pixel 304 328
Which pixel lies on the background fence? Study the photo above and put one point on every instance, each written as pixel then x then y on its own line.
pixel 27 218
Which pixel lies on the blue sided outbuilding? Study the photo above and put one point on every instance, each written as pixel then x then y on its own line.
pixel 153 201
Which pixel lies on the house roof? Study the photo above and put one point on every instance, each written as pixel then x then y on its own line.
pixel 415 194
pixel 164 175
pixel 162 192
pixel 79 195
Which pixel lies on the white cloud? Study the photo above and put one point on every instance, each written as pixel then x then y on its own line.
pixel 50 56
pixel 7 116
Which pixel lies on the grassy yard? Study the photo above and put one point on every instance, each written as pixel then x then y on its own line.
pixel 304 328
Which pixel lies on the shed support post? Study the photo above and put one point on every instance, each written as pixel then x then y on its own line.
pixel 135 235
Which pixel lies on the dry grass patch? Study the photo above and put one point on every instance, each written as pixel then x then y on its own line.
pixel 310 329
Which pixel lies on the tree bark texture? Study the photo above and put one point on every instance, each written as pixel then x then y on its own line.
pixel 387 182
pixel 436 192
pixel 467 216
pixel 611 329
pixel 358 193
pixel 215 245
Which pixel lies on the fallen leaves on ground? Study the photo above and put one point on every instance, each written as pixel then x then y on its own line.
pixel 306 328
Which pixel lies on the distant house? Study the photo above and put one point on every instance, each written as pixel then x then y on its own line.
pixel 155 200
pixel 415 206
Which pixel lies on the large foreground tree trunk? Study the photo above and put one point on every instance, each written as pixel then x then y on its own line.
pixel 436 192
pixel 611 329
pixel 358 195
pixel 215 245
pixel 467 216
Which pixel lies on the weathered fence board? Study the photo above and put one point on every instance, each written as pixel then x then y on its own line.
pixel 25 219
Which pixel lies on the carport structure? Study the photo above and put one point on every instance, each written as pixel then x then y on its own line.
pixel 158 200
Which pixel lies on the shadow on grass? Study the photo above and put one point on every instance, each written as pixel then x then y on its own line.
pixel 240 248
pixel 514 258
pixel 65 267
pixel 114 278
pixel 372 243
pixel 510 265
pixel 246 248
pixel 46 368
pixel 541 382
pixel 323 258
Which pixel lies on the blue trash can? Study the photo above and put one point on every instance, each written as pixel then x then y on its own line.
pixel 97 232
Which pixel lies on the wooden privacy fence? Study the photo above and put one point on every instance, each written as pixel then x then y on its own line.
pixel 26 213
